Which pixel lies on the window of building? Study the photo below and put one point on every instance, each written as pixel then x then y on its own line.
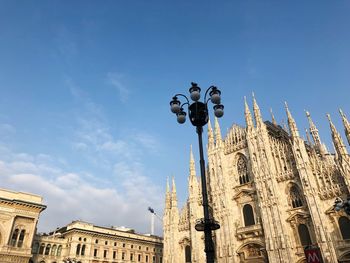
pixel 139 258
pixel 188 254
pixel 85 239
pixel 344 225
pixel 114 254
pixel 140 247
pixel 59 250
pixel 47 249
pixel 83 250
pixel 131 257
pixel 53 250
pixel 242 170
pixel 132 246
pixel 304 235
pixel 154 259
pixel 14 237
pixel 146 258
pixel 248 215
pixel 77 252
pixel 42 248
pixel 21 238
pixel 96 241
pixel 123 244
pixel 115 244
pixel 105 253
pixel 146 248
pixel 295 197
pixel 79 238
pixel 106 242
pixel 35 248
pixel 160 259
pixel 123 255
pixel 95 252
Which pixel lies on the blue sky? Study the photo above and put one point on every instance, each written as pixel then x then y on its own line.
pixel 85 90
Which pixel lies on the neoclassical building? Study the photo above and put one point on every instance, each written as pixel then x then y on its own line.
pixel 271 191
pixel 19 213
pixel 82 242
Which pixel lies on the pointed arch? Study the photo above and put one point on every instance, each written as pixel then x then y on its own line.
pixel 242 169
pixel 294 196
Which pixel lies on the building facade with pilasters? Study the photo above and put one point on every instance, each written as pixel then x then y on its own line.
pixel 271 191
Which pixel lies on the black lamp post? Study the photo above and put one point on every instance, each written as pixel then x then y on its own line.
pixel 340 204
pixel 198 113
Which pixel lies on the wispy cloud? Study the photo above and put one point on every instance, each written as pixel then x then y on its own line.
pixel 117 81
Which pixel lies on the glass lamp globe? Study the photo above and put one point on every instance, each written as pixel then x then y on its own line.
pixel 181 117
pixel 195 92
pixel 175 105
pixel 219 110
pixel 215 95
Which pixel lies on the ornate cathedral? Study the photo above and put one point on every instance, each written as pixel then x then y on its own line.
pixel 271 191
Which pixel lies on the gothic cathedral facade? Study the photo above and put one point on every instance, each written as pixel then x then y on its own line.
pixel 272 193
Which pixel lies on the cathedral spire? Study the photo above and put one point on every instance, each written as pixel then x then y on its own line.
pixel 167 195
pixel 210 136
pixel 218 138
pixel 308 137
pixel 337 140
pixel 346 124
pixel 313 130
pixel 192 180
pixel 257 114
pixel 248 116
pixel 273 118
pixel 291 123
pixel 173 194
pixel 192 165
pixel 315 135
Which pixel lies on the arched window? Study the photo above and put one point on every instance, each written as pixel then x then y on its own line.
pixel 78 250
pixel 14 237
pixel 47 249
pixel 53 250
pixel 42 248
pixel 344 225
pixel 35 249
pixel 248 215
pixel 242 170
pixel 304 235
pixel 188 254
pixel 295 197
pixel 59 250
pixel 21 238
pixel 83 250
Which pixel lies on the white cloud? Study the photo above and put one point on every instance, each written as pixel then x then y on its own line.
pixel 117 81
pixel 70 196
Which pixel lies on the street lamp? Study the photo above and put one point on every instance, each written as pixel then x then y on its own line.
pixel 340 204
pixel 198 114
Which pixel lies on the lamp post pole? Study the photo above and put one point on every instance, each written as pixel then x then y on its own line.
pixel 198 113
